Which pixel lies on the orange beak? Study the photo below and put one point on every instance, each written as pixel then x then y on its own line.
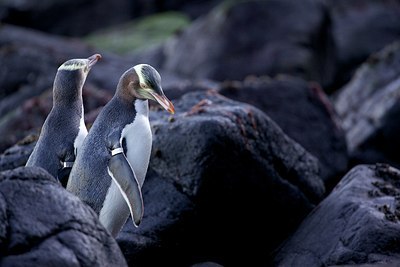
pixel 164 102
pixel 93 59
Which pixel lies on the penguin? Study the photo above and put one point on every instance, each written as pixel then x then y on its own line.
pixel 64 130
pixel 111 167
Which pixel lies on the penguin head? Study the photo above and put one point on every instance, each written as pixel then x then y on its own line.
pixel 81 65
pixel 71 76
pixel 144 82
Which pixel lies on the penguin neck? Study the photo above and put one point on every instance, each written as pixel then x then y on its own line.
pixel 141 106
pixel 72 103
pixel 67 88
pixel 68 100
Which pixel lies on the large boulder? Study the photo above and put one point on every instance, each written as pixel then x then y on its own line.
pixel 41 224
pixel 304 112
pixel 220 172
pixel 360 28
pixel 369 108
pixel 302 109
pixel 358 223
pixel 240 38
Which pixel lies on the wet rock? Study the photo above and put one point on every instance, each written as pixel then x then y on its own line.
pixel 242 38
pixel 369 109
pixel 220 171
pixel 360 28
pixel 358 223
pixel 44 225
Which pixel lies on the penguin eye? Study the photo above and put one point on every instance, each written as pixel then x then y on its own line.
pixel 144 86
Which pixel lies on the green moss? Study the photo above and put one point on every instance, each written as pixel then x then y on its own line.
pixel 139 34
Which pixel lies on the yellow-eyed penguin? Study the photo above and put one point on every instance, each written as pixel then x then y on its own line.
pixel 111 167
pixel 64 129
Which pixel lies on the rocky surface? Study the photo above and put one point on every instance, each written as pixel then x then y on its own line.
pixel 193 8
pixel 369 109
pixel 163 236
pixel 218 45
pixel 358 223
pixel 72 18
pixel 80 17
pixel 219 170
pixel 302 109
pixel 17 155
pixel 361 27
pixel 304 112
pixel 43 225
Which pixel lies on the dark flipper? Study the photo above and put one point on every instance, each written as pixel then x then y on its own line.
pixel 125 179
pixel 67 158
pixel 63 173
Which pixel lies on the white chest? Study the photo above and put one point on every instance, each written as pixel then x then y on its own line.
pixel 81 134
pixel 138 140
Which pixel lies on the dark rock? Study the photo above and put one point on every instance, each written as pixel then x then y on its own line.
pixel 360 28
pixel 251 37
pixel 221 171
pixel 369 109
pixel 300 108
pixel 376 264
pixel 44 225
pixel 358 223
pixel 162 235
pixel 304 113
pixel 177 89
pixel 224 122
pixel 17 155
pixel 80 17
pixel 207 264
pixel 193 8
pixel 73 18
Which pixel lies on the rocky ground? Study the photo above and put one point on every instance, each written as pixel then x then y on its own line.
pixel 282 151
